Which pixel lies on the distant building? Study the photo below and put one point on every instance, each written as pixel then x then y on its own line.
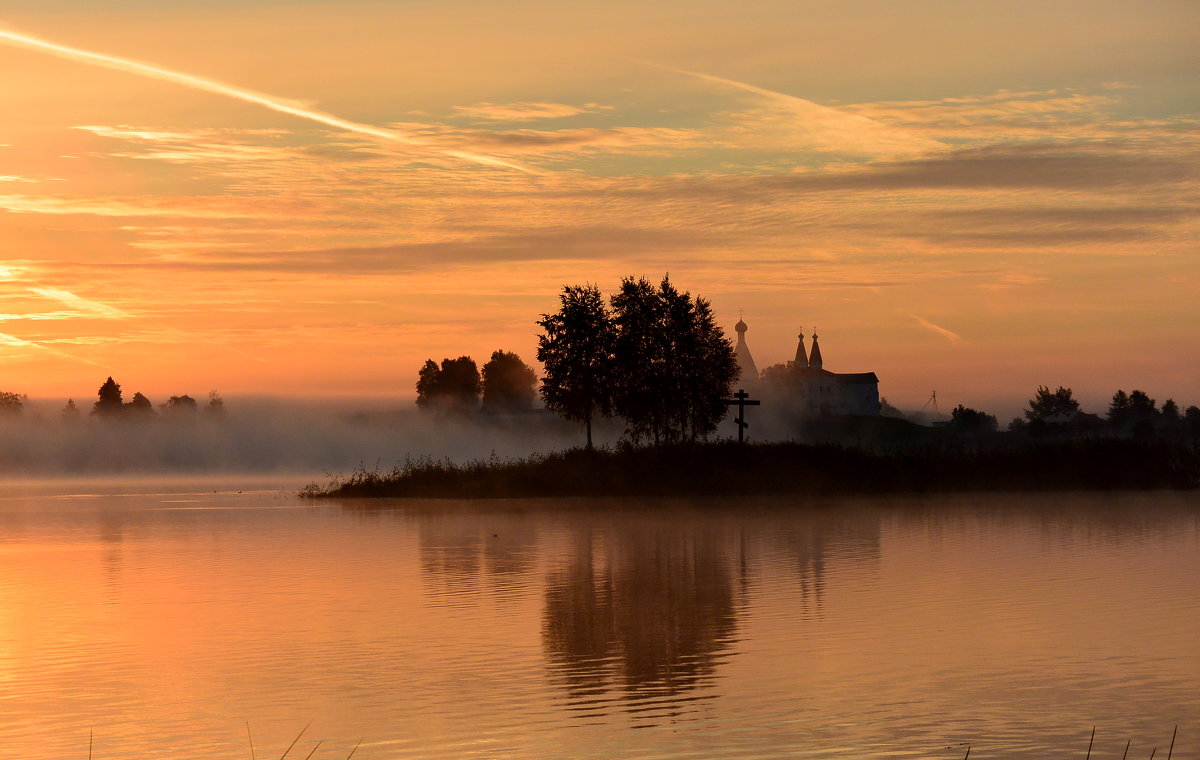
pixel 817 391
pixel 747 371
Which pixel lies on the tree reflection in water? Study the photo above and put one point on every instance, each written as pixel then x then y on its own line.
pixel 647 607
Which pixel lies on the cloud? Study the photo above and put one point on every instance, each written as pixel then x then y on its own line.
pixel 826 129
pixel 274 103
pixel 551 244
pixel 526 111
pixel 550 141
pixel 15 342
pixel 954 338
pixel 83 306
pixel 191 208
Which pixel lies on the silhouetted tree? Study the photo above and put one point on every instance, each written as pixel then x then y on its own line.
pixel 969 420
pixel 1141 406
pixel 179 406
pixel 576 352
pixel 216 405
pixel 886 409
pixel 1143 414
pixel 1058 406
pixel 641 359
pixel 1133 413
pixel 706 361
pixel 1170 411
pixel 507 384
pixel 11 403
pixel 139 406
pixel 453 387
pixel 674 363
pixel 1192 417
pixel 70 412
pixel 427 383
pixel 109 403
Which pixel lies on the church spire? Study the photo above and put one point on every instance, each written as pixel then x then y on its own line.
pixel 801 355
pixel 814 358
pixel 748 370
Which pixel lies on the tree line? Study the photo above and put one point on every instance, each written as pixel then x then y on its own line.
pixel 456 386
pixel 1134 414
pixel 110 405
pixel 651 355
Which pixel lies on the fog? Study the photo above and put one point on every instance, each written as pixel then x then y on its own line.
pixel 266 435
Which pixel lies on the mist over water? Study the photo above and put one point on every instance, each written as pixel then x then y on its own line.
pixel 264 435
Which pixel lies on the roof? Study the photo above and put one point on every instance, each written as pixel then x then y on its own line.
pixel 858 377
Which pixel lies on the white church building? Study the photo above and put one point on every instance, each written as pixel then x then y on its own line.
pixel 817 391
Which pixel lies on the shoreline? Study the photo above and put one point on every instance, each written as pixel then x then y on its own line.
pixel 729 469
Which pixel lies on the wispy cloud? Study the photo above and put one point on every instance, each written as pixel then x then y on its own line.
pixel 148 207
pixel 827 129
pixel 954 338
pixel 15 342
pixel 527 111
pixel 84 306
pixel 274 103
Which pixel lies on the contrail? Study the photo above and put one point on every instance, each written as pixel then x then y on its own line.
pixel 14 341
pixel 292 108
pixel 954 338
pixel 833 127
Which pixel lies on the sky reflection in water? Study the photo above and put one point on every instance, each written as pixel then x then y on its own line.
pixel 165 618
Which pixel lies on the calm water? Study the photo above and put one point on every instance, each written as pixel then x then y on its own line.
pixel 165 617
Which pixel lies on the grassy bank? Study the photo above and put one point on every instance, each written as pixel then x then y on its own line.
pixel 729 469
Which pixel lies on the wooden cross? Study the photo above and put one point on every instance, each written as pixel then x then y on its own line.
pixel 742 400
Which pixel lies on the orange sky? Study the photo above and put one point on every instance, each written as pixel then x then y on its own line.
pixel 970 197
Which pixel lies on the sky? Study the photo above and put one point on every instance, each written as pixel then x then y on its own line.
pixel 311 198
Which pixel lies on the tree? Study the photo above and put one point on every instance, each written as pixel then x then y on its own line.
pixel 12 403
pixel 507 384
pixel 706 361
pixel 576 352
pixel 139 406
pixel 453 387
pixel 640 352
pixel 216 405
pixel 969 420
pixel 108 403
pixel 70 412
pixel 674 363
pixel 178 406
pixel 1059 406
pixel 887 410
pixel 427 383
pixel 1118 410
pixel 1143 414
pixel 1170 412
pixel 1192 417
pixel 1141 406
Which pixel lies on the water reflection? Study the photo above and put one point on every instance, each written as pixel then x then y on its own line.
pixel 648 608
pixel 462 554
pixel 815 540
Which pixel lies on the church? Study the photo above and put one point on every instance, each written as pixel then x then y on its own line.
pixel 816 391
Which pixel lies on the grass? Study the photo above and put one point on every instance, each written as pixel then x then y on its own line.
pixel 727 469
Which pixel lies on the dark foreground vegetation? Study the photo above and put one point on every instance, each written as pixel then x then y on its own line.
pixel 727 469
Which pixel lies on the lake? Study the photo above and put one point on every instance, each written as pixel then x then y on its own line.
pixel 189 620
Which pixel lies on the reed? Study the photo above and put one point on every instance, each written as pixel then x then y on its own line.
pixel 293 744
pixel 728 469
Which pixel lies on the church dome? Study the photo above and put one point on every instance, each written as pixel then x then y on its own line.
pixel 741 327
